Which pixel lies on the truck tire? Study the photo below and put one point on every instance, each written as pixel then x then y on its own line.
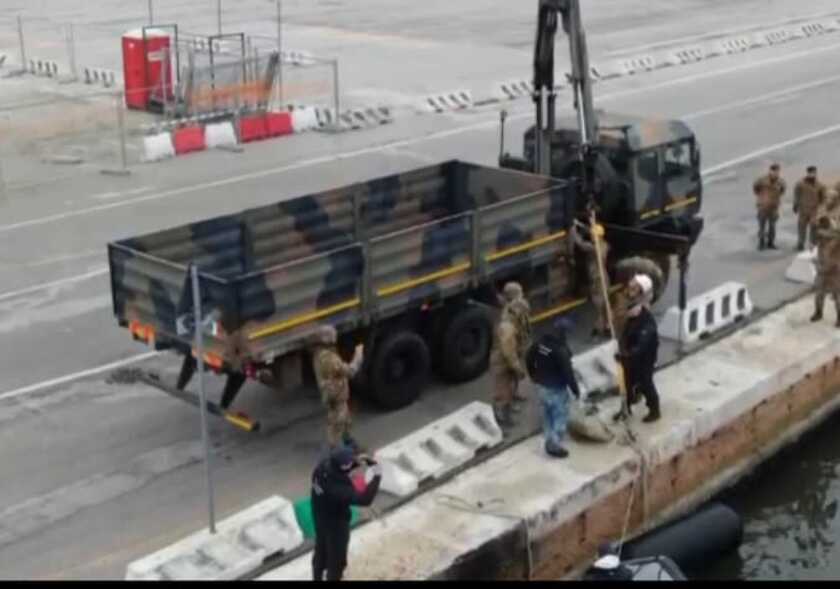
pixel 463 347
pixel 399 370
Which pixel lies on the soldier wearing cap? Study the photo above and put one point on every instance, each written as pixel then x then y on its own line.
pixel 638 348
pixel 828 256
pixel 768 190
pixel 513 336
pixel 585 242
pixel 333 375
pixel 808 195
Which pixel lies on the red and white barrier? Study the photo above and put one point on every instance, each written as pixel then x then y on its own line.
pixel 199 137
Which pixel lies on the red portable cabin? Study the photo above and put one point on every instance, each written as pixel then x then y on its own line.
pixel 147 68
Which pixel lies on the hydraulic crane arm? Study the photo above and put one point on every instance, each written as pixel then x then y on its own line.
pixel 544 93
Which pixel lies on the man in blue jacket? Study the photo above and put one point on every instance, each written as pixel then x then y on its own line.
pixel 550 367
pixel 332 495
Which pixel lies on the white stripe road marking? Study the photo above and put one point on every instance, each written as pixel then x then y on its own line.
pixel 78 278
pixel 402 143
pixel 771 148
pixel 768 98
pixel 76 376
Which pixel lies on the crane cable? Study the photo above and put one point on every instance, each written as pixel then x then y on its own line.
pixel 597 233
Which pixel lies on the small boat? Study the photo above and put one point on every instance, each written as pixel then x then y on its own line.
pixel 689 544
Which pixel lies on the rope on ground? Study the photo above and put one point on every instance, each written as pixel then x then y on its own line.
pixel 461 504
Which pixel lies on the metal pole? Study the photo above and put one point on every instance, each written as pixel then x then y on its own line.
pixel 280 52
pixel 151 16
pixel 22 44
pixel 336 99
pixel 71 50
pixel 121 126
pixel 219 15
pixel 199 352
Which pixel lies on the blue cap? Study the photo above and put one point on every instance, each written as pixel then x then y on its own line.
pixel 342 457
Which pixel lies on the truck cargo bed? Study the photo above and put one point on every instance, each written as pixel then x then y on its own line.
pixel 346 256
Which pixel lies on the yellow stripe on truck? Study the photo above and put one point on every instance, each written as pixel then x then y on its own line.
pixel 305 318
pixel 401 286
pixel 525 246
pixel 681 203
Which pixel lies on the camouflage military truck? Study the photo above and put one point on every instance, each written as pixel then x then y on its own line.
pixel 407 264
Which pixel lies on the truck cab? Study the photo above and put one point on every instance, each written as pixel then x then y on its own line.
pixel 647 172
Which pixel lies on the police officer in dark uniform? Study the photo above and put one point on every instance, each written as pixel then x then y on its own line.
pixel 332 495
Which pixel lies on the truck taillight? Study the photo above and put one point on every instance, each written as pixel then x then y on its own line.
pixel 139 331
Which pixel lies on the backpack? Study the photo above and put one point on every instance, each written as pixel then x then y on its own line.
pixel 531 359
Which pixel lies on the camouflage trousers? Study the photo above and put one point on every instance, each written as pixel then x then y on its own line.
pixel 338 423
pixel 827 283
pixel 767 226
pixel 507 384
pixel 806 225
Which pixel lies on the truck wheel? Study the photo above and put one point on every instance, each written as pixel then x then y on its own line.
pixel 399 370
pixel 463 347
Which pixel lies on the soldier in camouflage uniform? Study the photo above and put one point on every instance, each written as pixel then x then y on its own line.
pixel 808 194
pixel 587 245
pixel 513 336
pixel 828 256
pixel 768 190
pixel 332 375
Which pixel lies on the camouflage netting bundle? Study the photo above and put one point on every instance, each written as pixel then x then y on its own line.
pixel 585 422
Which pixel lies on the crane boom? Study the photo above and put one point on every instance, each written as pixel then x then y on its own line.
pixel 544 89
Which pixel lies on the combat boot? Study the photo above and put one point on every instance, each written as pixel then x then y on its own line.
pixel 654 415
pixel 503 416
pixel 817 316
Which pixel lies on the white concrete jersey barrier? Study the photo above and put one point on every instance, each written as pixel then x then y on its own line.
pixel 456 100
pixel 514 89
pixel 600 71
pixel 596 369
pixel 437 448
pixel 778 36
pixel 304 119
pixel 707 313
pixel 240 544
pixel 735 45
pixel 634 65
pixel 158 147
pixel 803 268
pixel 41 67
pixel 220 135
pixel 106 78
pixel 687 55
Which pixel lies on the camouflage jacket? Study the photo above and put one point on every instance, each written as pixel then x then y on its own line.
pixel 332 375
pixel 807 198
pixel 768 193
pixel 513 336
pixel 828 248
pixel 591 259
